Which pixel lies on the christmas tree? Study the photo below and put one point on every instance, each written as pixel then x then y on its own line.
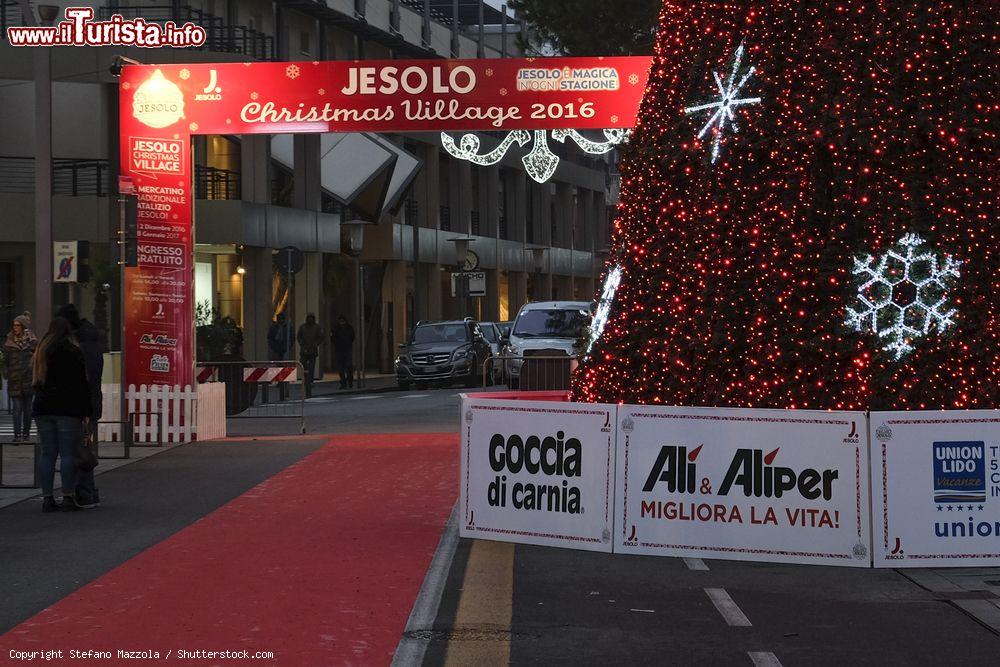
pixel 808 212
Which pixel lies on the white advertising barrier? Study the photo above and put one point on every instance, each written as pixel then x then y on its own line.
pixel 936 488
pixel 763 485
pixel 537 472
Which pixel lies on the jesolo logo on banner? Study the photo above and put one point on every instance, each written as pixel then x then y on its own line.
pixel 538 472
pixel 161 106
pixel 783 486
pixel 936 488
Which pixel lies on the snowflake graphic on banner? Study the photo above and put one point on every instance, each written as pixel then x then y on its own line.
pixel 903 294
pixel 540 162
pixel 727 101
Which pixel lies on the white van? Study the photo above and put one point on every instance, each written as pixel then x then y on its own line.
pixel 545 325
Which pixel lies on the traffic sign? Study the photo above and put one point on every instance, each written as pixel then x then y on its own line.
pixel 290 259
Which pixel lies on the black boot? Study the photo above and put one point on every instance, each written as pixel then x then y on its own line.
pixel 69 504
pixel 49 504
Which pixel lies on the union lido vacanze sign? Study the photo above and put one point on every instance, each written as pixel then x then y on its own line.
pixel 909 489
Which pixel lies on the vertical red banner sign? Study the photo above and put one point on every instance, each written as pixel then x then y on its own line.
pixel 159 300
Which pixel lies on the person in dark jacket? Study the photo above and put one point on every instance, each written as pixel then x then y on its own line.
pixel 89 338
pixel 18 348
pixel 279 339
pixel 343 348
pixel 310 338
pixel 62 408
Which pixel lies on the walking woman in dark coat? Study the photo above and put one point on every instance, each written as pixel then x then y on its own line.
pixel 62 409
pixel 18 349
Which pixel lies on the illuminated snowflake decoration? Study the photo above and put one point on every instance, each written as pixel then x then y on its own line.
pixel 903 294
pixel 723 107
pixel 540 163
pixel 185 74
pixel 292 71
pixel 633 79
pixel 603 311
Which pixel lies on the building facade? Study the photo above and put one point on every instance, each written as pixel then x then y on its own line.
pixel 533 241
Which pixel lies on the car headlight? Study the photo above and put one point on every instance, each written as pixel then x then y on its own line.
pixel 465 350
pixel 402 359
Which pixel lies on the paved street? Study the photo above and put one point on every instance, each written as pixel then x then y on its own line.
pixel 323 548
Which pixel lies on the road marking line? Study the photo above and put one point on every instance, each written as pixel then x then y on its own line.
pixel 403 398
pixel 695 564
pixel 362 398
pixel 645 611
pixel 730 610
pixel 764 659
pixel 486 605
pixel 411 651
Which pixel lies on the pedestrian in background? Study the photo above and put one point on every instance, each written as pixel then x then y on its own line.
pixel 89 338
pixel 62 408
pixel 279 339
pixel 18 348
pixel 343 349
pixel 310 338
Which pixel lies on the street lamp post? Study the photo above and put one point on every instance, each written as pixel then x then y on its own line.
pixel 462 279
pixel 356 240
pixel 43 174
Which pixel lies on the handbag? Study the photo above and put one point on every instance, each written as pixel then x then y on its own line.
pixel 84 457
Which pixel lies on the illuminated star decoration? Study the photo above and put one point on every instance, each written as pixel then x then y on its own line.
pixel 603 310
pixel 726 103
pixel 903 294
pixel 540 162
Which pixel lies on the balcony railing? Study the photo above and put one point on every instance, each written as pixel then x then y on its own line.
pixel 217 184
pixel 10 15
pixel 444 219
pixel 70 176
pixel 219 37
pixel 474 222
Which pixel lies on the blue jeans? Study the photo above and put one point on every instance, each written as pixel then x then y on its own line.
pixel 22 415
pixel 58 436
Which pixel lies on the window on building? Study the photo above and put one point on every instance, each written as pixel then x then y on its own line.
pixel 304 46
pixel 554 228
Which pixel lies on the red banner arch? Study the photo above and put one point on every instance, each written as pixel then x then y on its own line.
pixel 162 106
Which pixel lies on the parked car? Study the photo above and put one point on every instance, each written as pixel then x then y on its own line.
pixel 555 326
pixel 442 352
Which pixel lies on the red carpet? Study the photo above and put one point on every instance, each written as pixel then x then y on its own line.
pixel 319 564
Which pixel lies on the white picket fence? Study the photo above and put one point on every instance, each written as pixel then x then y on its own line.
pixel 211 422
pixel 162 412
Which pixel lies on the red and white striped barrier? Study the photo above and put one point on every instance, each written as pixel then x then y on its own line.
pixel 207 374
pixel 271 374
